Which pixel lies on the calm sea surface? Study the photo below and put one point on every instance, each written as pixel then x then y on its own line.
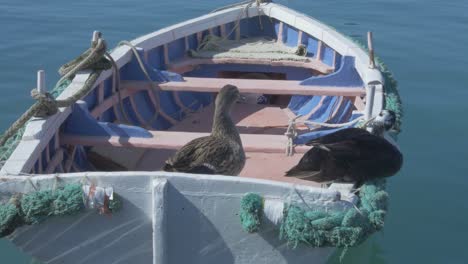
pixel 424 42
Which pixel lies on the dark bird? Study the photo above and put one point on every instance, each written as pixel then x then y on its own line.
pixel 219 153
pixel 352 154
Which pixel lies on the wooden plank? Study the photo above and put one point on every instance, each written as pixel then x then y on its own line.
pixel 359 103
pixel 299 37
pixel 280 32
pixel 186 43
pixel 176 139
pixel 166 54
pixel 199 38
pixel 55 162
pixel 69 162
pixel 319 50
pixel 223 30
pixel 188 64
pixel 248 86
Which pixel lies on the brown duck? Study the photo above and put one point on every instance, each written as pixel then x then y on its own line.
pixel 219 153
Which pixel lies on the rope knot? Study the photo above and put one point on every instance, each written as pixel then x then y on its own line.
pixel 47 104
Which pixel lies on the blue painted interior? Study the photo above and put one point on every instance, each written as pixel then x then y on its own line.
pixel 346 76
pixel 205 33
pixel 156 56
pixel 176 49
pixel 306 137
pixel 311 44
pixel 130 114
pixel 230 30
pixel 44 160
pixel 327 55
pixel 82 123
pixel 108 116
pixel 91 99
pixel 81 160
pixel 251 27
pixel 291 34
pixel 52 147
pixel 132 71
pixel 338 61
pixel 193 44
pixel 216 31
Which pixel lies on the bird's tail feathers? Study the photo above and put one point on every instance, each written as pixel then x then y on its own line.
pixel 168 167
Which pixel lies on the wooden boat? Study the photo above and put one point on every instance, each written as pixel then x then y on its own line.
pixel 302 79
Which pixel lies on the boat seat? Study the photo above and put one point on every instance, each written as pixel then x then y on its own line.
pixel 248 86
pixel 188 64
pixel 176 139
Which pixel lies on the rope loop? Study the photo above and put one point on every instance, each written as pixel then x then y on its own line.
pixel 47 104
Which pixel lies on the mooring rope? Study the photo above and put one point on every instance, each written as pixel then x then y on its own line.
pixel 116 86
pixel 291 132
pixel 46 105
pixel 155 88
pixel 244 10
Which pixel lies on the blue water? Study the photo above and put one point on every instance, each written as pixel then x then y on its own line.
pixel 424 42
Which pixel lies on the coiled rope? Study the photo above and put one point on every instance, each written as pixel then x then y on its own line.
pixel 46 105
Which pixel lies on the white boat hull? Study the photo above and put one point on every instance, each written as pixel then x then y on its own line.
pixel 169 218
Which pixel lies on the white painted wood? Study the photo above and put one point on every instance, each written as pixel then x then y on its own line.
pixel 96 36
pixel 370 91
pixel 280 32
pixel 186 43
pixel 378 99
pixel 166 54
pixel 201 218
pixel 41 83
pixel 370 46
pixel 299 37
pixel 160 251
pixel 223 30
pixel 320 48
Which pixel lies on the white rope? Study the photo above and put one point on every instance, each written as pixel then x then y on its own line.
pixel 291 132
pixel 319 124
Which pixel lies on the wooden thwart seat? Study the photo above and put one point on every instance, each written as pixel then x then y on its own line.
pixel 188 64
pixel 248 86
pixel 176 139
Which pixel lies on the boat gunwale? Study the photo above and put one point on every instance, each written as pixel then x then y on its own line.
pixel 23 160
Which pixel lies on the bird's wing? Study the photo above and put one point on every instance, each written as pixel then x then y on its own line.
pixel 207 151
pixel 340 135
pixel 347 150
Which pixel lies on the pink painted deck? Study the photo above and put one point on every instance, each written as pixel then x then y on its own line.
pixel 267 166
pixel 262 129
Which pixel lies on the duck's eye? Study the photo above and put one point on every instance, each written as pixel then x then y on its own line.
pixel 380 114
